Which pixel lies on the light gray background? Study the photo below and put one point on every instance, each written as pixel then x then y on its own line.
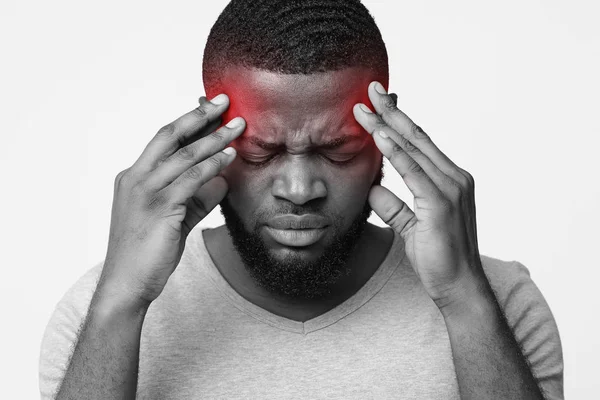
pixel 508 90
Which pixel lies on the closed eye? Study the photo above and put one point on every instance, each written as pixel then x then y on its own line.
pixel 256 163
pixel 336 159
pixel 340 159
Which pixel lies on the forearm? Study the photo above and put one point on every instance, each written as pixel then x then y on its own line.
pixel 488 361
pixel 104 364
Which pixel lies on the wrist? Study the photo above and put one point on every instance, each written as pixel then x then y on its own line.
pixel 115 297
pixel 471 296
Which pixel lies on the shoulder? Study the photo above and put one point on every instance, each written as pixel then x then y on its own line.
pixel 60 335
pixel 506 277
pixel 531 320
pixel 515 289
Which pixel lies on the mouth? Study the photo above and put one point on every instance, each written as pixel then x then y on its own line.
pixel 297 230
pixel 296 237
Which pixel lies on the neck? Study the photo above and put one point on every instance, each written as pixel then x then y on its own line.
pixel 368 254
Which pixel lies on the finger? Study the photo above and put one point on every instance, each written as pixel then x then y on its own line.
pixel 179 132
pixel 191 180
pixel 203 201
pixel 194 153
pixel 420 175
pixel 211 127
pixel 385 106
pixel 374 124
pixel 391 209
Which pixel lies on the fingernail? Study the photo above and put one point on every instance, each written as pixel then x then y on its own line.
pixel 229 151
pixel 382 134
pixel 234 123
pixel 379 88
pixel 219 100
pixel 365 109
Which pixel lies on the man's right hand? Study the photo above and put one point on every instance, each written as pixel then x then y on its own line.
pixel 171 187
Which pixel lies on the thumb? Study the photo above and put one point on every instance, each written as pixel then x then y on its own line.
pixel 391 209
pixel 204 200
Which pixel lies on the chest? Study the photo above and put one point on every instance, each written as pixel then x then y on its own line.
pixel 231 355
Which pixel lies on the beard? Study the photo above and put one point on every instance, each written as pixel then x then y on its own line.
pixel 293 276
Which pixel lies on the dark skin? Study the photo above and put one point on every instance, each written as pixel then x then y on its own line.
pixel 300 114
pixel 180 177
pixel 439 232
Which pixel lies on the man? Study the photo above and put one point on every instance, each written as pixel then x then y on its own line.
pixel 297 296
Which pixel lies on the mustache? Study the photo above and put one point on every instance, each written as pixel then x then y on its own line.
pixel 313 207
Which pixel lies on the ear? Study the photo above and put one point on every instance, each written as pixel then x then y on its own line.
pixel 394 97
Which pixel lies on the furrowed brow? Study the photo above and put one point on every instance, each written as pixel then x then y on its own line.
pixel 331 144
pixel 339 141
pixel 264 145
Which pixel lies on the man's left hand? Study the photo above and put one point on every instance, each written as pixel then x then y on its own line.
pixel 440 236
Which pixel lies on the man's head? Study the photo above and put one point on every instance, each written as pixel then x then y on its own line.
pixel 294 70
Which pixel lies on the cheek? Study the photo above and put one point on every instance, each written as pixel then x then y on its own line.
pixel 354 184
pixel 247 189
pixel 360 177
pixel 370 162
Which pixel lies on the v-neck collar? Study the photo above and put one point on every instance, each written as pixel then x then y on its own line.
pixel 362 296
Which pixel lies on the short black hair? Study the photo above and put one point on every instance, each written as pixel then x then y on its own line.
pixel 294 37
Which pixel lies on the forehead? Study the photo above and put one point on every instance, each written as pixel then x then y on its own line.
pixel 294 102
pixel 272 89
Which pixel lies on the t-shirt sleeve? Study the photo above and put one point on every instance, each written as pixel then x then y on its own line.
pixel 531 320
pixel 61 333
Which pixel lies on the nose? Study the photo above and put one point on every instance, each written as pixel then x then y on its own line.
pixel 298 181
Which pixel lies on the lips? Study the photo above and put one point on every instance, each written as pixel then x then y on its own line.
pixel 307 221
pixel 297 230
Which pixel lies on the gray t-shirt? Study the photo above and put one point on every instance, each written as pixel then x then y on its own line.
pixel 202 340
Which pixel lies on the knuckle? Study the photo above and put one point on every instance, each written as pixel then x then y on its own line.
pixel 417 132
pixel 195 174
pixel 119 177
pixel 186 153
pixel 470 181
pixel 464 180
pixel 408 146
pixel 380 124
pixel 455 193
pixel 199 204
pixel 388 103
pixel 414 168
pixel 397 149
pixel 124 178
pixel 175 144
pixel 217 136
pixel 201 111
pixel 166 131
pixel 215 162
pixel 121 173
pixel 392 214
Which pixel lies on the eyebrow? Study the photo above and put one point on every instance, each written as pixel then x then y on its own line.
pixel 331 144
